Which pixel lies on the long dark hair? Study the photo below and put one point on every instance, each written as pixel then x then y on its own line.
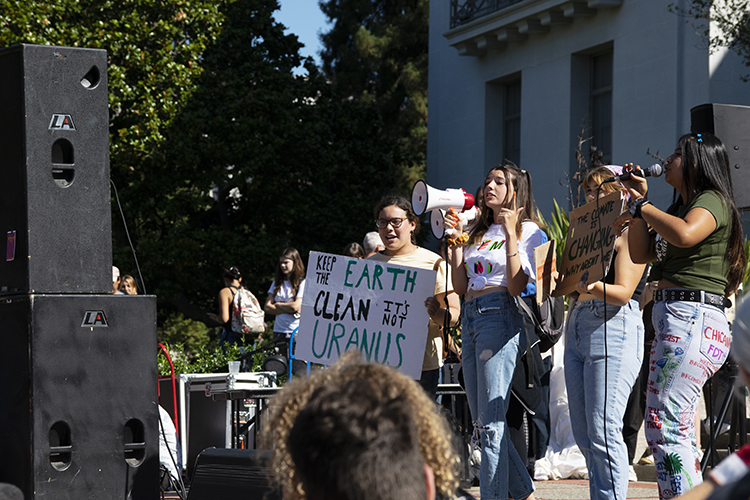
pixel 705 166
pixel 297 274
pixel 521 182
pixel 394 200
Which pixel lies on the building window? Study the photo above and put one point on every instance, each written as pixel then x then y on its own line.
pixel 512 121
pixel 600 105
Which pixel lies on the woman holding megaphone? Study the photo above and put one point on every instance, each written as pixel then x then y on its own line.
pixel 494 266
pixel 397 225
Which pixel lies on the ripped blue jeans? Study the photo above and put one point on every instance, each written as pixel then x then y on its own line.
pixel 492 329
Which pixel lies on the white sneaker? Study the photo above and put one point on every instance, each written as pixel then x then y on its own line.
pixel 632 476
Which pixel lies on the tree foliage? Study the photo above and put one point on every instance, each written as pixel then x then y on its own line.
pixel 220 155
pixel 730 20
pixel 376 52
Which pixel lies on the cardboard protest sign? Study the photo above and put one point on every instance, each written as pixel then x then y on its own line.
pixel 590 242
pixel 372 306
pixel 545 262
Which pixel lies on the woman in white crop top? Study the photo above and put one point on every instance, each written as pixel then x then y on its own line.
pixel 493 267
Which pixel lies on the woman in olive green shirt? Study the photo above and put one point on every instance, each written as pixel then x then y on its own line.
pixel 697 246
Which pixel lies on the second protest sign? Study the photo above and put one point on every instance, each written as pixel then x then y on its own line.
pixel 590 241
pixel 372 306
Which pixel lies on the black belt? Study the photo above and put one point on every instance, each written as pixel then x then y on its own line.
pixel 690 295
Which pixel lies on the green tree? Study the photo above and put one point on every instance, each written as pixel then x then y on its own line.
pixel 219 153
pixel 376 52
pixel 730 20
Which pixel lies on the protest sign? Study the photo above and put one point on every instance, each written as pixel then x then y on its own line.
pixel 590 242
pixel 545 261
pixel 372 306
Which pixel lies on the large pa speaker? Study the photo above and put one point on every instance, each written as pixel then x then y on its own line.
pixel 78 397
pixel 729 123
pixel 226 474
pixel 54 194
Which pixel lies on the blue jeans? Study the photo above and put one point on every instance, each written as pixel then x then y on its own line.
pixel 589 395
pixel 692 342
pixel 491 329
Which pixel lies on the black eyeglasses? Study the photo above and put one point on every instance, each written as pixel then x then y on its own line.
pixel 395 222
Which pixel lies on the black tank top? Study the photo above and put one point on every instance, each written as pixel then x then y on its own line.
pixel 610 278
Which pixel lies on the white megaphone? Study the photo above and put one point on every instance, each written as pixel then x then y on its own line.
pixel 438 216
pixel 425 198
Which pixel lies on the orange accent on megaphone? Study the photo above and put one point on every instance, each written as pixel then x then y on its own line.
pixel 425 198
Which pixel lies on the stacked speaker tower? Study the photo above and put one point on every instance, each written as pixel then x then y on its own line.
pixel 78 397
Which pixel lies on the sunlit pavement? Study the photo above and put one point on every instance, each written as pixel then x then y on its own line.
pixel 579 489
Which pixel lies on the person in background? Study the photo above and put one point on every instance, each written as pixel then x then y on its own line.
pixel 528 421
pixel 285 296
pixel 232 283
pixel 492 266
pixel 360 431
pixel 398 225
pixel 354 250
pixel 372 244
pixel 116 281
pixel 128 285
pixel 603 356
pixel 699 259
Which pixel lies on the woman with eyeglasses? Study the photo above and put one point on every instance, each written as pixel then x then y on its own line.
pixel 493 267
pixel 699 260
pixel 397 225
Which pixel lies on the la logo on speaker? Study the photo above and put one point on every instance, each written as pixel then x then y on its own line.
pixel 95 319
pixel 61 122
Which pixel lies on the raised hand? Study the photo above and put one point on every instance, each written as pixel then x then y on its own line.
pixel 453 221
pixel 636 185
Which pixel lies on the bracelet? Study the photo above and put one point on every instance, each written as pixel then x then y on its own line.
pixel 635 207
pixel 511 254
pixel 458 240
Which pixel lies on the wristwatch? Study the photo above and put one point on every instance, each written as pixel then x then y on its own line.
pixel 635 207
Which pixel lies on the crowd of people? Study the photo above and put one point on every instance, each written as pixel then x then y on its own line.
pixel 337 433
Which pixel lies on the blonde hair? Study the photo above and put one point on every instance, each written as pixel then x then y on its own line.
pixel 131 281
pixel 599 175
pixel 434 434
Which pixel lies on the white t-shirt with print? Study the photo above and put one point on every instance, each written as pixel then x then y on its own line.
pixel 485 260
pixel 286 322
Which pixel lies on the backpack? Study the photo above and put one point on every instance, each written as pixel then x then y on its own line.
pixel 247 315
pixel 548 320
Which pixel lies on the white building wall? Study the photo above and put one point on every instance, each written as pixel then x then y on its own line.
pixel 660 71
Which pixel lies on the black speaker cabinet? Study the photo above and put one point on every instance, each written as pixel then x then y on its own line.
pixel 229 473
pixel 78 398
pixel 54 194
pixel 731 124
